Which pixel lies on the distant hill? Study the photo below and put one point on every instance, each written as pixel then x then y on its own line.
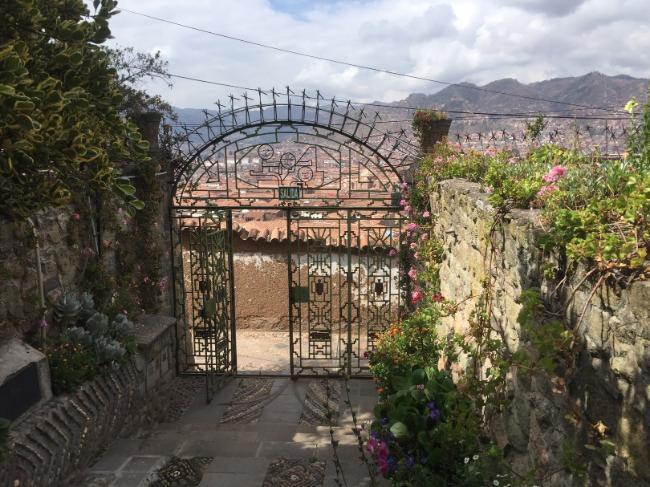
pixel 592 89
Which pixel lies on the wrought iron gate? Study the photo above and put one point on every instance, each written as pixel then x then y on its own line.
pixel 205 294
pixel 343 270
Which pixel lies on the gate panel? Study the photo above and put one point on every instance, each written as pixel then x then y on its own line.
pixel 206 300
pixel 344 287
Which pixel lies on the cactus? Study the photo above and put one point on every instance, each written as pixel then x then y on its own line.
pixel 66 310
pixel 97 324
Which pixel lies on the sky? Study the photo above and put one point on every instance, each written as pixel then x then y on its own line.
pixel 476 41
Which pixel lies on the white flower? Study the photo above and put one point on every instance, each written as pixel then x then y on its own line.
pixel 475 457
pixel 466 459
pixel 495 482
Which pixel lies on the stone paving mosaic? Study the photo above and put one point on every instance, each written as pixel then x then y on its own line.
pixel 322 402
pixel 180 472
pixel 295 473
pixel 248 400
pixel 185 390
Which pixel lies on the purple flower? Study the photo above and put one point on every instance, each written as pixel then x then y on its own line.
pixel 420 387
pixel 43 323
pixel 384 420
pixel 434 412
pixel 410 462
pixel 392 252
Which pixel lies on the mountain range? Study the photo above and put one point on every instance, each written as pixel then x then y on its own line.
pixel 566 102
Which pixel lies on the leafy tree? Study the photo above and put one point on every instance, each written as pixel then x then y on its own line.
pixel 132 68
pixel 62 126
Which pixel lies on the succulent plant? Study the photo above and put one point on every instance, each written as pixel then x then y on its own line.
pixel 97 324
pixel 66 310
pixel 121 326
pixel 108 350
pixel 87 306
pixel 78 335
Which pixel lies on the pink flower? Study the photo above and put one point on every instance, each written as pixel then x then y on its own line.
pixel 404 186
pixel 489 189
pixel 43 323
pixel 425 237
pixel 555 173
pixel 106 243
pixel 416 255
pixel 382 466
pixel 413 245
pixel 403 202
pixel 512 160
pixel 392 252
pixel 382 450
pixel 76 216
pixel 87 252
pixel 426 214
pixel 417 296
pixel 411 227
pixel 546 190
pixel 408 208
pixel 372 445
pixel 412 273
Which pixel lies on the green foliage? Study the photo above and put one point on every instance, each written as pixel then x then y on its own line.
pixel 132 68
pixel 424 118
pixel 88 342
pixel 412 344
pixel 595 209
pixel 71 364
pixel 61 128
pixel 426 429
pixel 534 129
pixel 550 340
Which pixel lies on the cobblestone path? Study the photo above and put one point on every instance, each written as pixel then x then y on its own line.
pixel 257 432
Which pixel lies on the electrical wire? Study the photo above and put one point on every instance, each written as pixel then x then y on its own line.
pixel 361 66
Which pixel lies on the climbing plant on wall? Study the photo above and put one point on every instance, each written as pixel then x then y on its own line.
pixel 61 129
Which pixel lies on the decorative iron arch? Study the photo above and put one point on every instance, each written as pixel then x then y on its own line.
pixel 355 159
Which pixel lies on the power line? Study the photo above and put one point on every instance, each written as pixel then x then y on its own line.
pixel 522 115
pixel 360 66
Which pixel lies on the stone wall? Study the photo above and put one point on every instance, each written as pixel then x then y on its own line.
pixel 61 264
pixel 63 260
pixel 66 433
pixel 610 383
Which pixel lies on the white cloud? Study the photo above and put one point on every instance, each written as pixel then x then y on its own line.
pixel 452 40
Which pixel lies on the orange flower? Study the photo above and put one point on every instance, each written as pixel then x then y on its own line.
pixel 393 331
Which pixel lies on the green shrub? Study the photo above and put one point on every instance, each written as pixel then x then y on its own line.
pixel 71 364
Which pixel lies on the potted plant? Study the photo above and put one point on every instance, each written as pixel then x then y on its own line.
pixel 430 126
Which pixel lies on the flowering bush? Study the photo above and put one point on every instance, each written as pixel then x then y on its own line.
pixel 426 427
pixel 596 209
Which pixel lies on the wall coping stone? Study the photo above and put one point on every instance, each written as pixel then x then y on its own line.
pixel 149 328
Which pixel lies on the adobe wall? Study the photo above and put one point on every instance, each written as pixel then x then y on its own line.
pixel 611 379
